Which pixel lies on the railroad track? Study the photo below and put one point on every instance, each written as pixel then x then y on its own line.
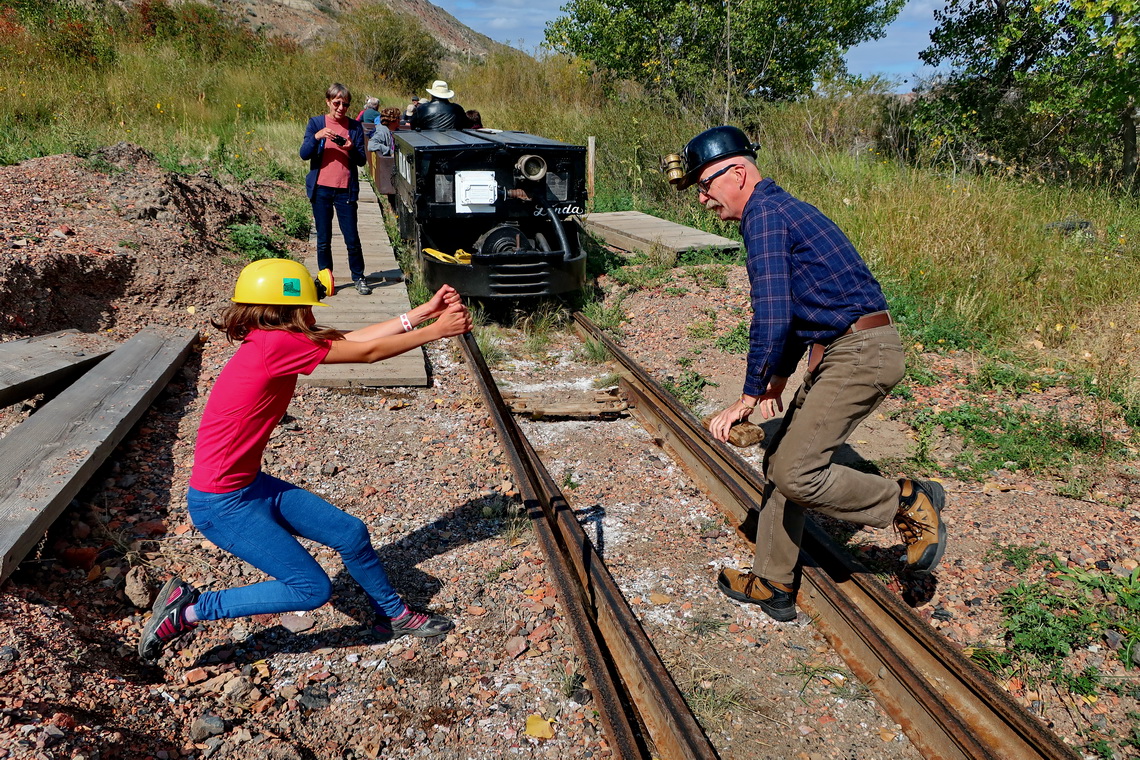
pixel 949 708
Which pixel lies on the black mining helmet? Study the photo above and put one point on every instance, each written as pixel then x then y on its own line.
pixel 711 145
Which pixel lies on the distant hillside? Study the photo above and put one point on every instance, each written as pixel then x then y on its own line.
pixel 307 21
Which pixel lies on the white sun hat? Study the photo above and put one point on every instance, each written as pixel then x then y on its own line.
pixel 439 89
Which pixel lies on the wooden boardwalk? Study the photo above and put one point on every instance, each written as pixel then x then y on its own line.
pixel 348 310
pixel 635 231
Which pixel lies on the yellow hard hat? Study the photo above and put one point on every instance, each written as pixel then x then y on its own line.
pixel 276 281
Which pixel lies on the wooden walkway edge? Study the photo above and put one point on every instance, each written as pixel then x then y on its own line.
pixel 43 363
pixel 351 311
pixel 635 231
pixel 48 458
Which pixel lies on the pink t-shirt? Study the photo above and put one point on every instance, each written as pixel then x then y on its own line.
pixel 334 159
pixel 247 401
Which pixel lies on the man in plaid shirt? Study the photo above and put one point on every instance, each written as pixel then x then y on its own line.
pixel 811 292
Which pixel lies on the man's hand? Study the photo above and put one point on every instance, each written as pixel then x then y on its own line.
pixel 768 404
pixel 723 422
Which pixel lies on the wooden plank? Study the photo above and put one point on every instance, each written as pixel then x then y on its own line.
pixel 46 362
pixel 47 458
pixel 351 311
pixel 635 231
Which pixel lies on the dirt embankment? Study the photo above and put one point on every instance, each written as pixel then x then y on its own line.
pixel 114 242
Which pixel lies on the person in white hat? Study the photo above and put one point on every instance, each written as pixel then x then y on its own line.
pixel 440 112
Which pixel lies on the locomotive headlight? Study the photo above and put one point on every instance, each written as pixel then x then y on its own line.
pixel 531 167
pixel 674 168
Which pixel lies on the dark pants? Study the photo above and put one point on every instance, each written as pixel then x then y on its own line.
pixel 324 201
pixel 856 374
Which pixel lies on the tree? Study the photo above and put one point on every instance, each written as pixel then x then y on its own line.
pixel 394 45
pixel 1047 84
pixel 746 49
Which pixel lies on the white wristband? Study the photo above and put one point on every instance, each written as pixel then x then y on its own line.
pixel 407 323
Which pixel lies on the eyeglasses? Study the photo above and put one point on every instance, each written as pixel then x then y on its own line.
pixel 703 185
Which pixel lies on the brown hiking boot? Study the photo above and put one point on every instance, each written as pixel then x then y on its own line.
pixel 774 598
pixel 919 522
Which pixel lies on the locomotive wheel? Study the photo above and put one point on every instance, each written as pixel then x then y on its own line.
pixel 505 238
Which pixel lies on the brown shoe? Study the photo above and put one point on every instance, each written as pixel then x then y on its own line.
pixel 919 522
pixel 774 598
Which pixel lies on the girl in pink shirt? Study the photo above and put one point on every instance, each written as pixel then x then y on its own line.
pixel 256 516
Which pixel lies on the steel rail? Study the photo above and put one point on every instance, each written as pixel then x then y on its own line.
pixel 594 605
pixel 947 705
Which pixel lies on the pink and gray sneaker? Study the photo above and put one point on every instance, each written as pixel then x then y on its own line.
pixel 168 618
pixel 423 625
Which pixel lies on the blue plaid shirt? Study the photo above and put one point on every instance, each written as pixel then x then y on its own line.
pixel 809 284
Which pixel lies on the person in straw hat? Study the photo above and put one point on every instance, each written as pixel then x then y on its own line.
pixel 440 112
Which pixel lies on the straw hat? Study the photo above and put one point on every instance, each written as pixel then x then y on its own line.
pixel 439 89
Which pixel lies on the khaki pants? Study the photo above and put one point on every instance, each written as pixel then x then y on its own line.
pixel 856 374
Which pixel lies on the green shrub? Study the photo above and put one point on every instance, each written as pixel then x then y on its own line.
pixel 394 45
pixel 1043 623
pixel 254 244
pixel 297 215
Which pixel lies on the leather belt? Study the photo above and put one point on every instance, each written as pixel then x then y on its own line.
pixel 870 321
pixel 865 322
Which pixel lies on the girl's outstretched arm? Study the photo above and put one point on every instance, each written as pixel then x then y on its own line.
pixel 436 305
pixel 453 320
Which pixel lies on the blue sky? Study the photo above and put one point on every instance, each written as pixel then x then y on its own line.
pixel 521 22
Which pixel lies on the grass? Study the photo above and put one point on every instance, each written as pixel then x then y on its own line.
pixel 569 481
pixel 688 388
pixel 702 329
pixel 490 341
pixel 591 351
pixel 608 380
pixel 567 681
pixel 735 341
pixel 608 315
pixel 842 682
pixel 1021 557
pixel 503 567
pixel 1046 622
pixel 711 694
pixel 1002 436
pixel 714 275
pixel 297 215
pixel 539 326
pixel 703 625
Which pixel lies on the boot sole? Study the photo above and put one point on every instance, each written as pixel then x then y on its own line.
pixel 418 633
pixel 927 562
pixel 781 614
pixel 155 619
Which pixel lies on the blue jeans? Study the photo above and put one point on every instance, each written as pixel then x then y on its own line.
pixel 324 201
pixel 259 523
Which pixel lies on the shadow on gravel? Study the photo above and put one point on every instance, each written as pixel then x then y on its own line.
pixel 461 526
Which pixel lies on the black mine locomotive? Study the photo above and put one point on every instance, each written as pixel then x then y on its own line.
pixel 491 213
